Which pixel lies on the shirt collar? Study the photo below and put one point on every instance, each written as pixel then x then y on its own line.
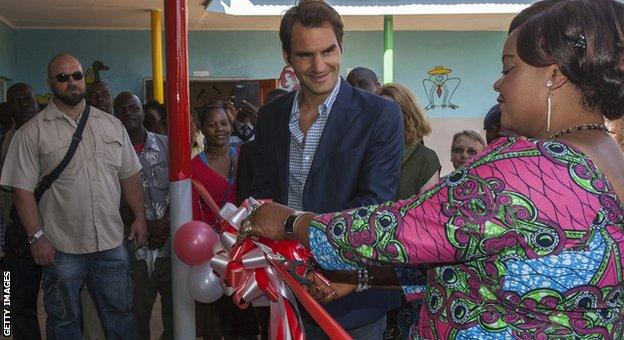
pixel 324 108
pixel 53 112
pixel 150 142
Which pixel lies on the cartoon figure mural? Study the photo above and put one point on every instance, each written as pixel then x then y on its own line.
pixel 440 88
pixel 43 100
pixel 91 75
pixel 288 80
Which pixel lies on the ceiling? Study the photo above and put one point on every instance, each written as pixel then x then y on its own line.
pixel 134 15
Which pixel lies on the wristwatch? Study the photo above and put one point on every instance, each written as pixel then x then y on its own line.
pixel 32 238
pixel 289 223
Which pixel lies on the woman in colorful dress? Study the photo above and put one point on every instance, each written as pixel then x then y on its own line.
pixel 215 169
pixel 526 240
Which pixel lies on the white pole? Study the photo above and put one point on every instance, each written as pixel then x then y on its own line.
pixel 183 305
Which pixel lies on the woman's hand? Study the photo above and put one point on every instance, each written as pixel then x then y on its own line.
pixel 268 221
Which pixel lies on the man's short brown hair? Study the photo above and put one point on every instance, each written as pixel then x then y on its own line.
pixel 310 14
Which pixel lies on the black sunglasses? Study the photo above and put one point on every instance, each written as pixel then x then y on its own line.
pixel 64 77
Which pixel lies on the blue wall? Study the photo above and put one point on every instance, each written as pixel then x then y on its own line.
pixel 127 53
pixel 474 57
pixel 7 52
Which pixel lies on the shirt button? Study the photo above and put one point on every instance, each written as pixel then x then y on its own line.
pixel 307 158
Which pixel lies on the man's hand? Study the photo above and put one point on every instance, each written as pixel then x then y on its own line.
pixel 138 233
pixel 247 110
pixel 127 216
pixel 341 289
pixel 230 110
pixel 324 293
pixel 132 190
pixel 268 221
pixel 250 111
pixel 157 241
pixel 43 252
pixel 158 233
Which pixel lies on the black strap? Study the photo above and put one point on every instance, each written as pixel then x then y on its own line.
pixel 47 181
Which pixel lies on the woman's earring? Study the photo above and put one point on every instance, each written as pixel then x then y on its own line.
pixel 549 85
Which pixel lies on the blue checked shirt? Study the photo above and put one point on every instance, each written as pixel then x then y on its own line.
pixel 303 147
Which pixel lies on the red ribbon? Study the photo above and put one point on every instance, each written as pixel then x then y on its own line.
pixel 256 270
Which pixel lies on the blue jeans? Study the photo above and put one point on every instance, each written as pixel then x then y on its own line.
pixel 109 281
pixel 372 331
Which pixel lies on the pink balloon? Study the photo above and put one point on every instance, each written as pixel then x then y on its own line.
pixel 193 242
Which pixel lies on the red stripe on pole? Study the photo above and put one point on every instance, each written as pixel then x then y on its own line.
pixel 176 38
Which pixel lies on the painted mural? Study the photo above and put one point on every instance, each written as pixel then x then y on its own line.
pixel 288 80
pixel 440 88
pixel 93 73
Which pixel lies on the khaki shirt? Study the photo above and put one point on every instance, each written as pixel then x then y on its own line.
pixel 80 211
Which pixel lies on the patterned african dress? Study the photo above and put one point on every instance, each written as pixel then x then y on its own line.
pixel 525 242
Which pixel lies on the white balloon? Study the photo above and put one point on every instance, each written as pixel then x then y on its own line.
pixel 203 285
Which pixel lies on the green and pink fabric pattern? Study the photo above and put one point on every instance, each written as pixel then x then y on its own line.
pixel 525 242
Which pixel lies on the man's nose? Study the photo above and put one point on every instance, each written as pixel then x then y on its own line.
pixel 496 85
pixel 71 81
pixel 318 63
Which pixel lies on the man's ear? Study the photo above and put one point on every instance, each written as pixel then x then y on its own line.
pixel 286 58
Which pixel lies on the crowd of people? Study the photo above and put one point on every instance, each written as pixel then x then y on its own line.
pixel 524 239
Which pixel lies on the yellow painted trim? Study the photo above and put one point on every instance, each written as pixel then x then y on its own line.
pixel 157 57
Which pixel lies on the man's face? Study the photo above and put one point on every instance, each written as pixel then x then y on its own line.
pixel 363 80
pixel 315 57
pixel 129 110
pixel 23 105
pixel 72 91
pixel 100 96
